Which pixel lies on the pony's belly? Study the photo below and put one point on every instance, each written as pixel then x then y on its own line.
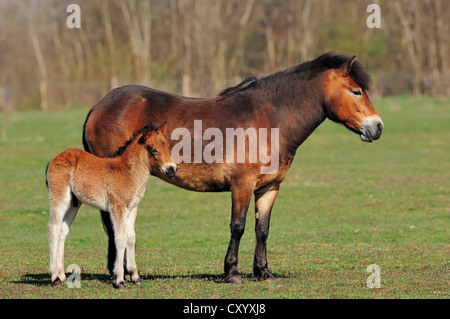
pixel 218 177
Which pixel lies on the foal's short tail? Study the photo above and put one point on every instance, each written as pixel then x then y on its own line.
pixel 46 176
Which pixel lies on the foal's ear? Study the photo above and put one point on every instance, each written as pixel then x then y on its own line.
pixel 344 70
pixel 142 139
pixel 144 136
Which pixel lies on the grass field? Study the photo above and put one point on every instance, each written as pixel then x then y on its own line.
pixel 344 205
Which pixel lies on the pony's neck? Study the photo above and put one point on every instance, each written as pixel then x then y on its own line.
pixel 299 103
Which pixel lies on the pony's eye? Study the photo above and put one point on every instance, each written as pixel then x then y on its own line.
pixel 357 92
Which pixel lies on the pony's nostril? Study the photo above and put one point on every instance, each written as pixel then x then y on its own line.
pixel 380 127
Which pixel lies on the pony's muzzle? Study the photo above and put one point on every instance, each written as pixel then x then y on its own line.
pixel 371 129
pixel 170 169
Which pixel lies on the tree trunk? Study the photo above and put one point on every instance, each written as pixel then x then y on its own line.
pixel 41 64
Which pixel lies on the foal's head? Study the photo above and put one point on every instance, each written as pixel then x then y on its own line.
pixel 157 145
pixel 346 100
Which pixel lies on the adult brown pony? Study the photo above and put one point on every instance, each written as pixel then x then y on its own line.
pixel 296 101
pixel 115 185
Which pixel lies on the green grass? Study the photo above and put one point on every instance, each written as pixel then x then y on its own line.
pixel 343 206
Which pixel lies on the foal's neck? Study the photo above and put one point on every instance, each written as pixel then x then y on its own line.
pixel 136 159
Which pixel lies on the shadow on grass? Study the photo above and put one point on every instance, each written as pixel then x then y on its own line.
pixel 43 279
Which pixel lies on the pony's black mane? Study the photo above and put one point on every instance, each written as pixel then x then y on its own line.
pixel 149 128
pixel 310 69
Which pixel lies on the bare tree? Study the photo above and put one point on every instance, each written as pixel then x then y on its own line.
pixel 138 20
pixel 201 46
pixel 106 18
pixel 40 60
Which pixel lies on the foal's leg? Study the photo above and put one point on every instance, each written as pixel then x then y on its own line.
pixel 130 258
pixel 118 216
pixel 241 196
pixel 65 228
pixel 263 206
pixel 59 205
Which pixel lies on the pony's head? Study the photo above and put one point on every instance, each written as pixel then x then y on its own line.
pixel 157 146
pixel 346 100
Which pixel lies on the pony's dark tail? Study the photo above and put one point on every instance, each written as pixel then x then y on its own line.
pixel 106 219
pixel 85 142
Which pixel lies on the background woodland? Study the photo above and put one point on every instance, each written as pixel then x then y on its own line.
pixel 200 47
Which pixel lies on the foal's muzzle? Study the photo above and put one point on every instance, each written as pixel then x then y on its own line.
pixel 170 170
pixel 371 129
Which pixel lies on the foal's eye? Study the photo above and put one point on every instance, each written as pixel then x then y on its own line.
pixel 357 92
pixel 152 150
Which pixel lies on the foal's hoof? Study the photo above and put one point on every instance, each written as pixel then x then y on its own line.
pixel 120 285
pixel 137 281
pixel 57 282
pixel 236 279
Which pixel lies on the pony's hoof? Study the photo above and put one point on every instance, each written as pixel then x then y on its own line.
pixel 267 277
pixel 236 279
pixel 120 285
pixel 57 282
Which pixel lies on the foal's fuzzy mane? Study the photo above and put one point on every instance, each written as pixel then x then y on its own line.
pixel 311 68
pixel 149 127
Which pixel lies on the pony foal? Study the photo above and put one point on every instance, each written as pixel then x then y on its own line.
pixel 115 184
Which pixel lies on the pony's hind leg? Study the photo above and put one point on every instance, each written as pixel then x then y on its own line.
pixel 264 201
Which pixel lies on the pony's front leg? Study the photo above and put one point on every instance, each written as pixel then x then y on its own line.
pixel 264 201
pixel 241 196
pixel 131 243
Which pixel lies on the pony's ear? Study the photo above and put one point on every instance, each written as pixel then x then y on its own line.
pixel 162 127
pixel 344 70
